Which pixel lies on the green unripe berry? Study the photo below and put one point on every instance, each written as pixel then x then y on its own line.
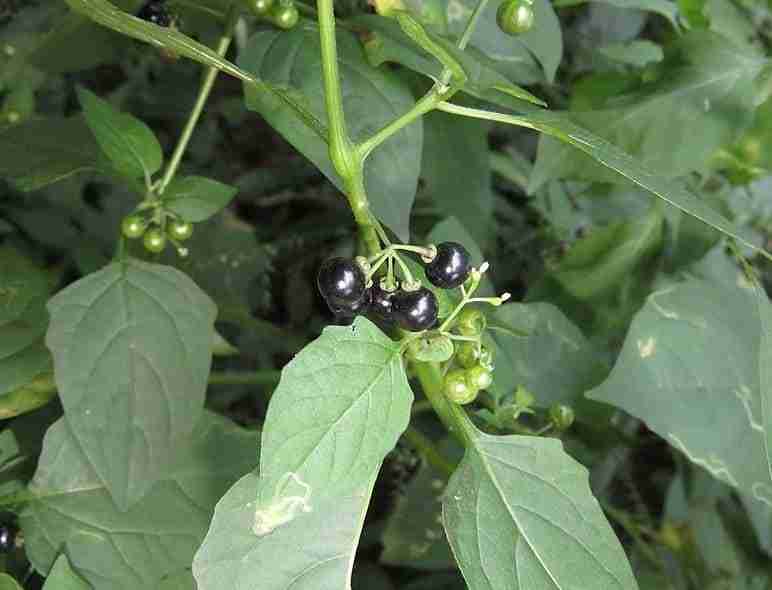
pixel 260 7
pixel 133 226
pixel 154 241
pixel 562 416
pixel 471 322
pixel 457 389
pixel 515 16
pixel 286 16
pixel 479 377
pixel 180 230
pixel 470 354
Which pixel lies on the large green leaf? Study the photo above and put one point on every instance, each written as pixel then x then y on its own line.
pixel 42 151
pixel 666 8
pixel 132 348
pixel 195 198
pixel 538 348
pixel 519 515
pixel 372 99
pixel 23 320
pixel 8 582
pixel 61 577
pixel 691 369
pixel 339 408
pixel 130 144
pixel 73 511
pixel 674 125
pixel 544 41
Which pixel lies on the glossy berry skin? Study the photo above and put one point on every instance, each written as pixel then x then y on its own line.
pixel 154 11
pixel 562 416
pixel 180 230
pixel 261 7
pixel 342 283
pixel 450 267
pixel 417 310
pixel 479 377
pixel 456 387
pixel 515 17
pixel 154 241
pixel 286 17
pixel 381 303
pixel 133 226
pixel 7 539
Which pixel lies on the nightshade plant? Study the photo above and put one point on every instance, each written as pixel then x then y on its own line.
pixel 291 298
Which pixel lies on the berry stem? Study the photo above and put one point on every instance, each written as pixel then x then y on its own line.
pixel 195 114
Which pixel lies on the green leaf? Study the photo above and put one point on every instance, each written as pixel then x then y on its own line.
pixel 708 87
pixel 690 368
pixel 73 512
pixel 132 348
pixel 24 290
pixel 637 53
pixel 387 42
pixel 62 577
pixel 39 152
pixel 519 514
pixel 538 348
pixel 339 408
pixel 195 198
pixel 598 263
pixel 128 142
pixel 453 144
pixel 544 41
pixel 7 582
pixel 666 8
pixel 291 60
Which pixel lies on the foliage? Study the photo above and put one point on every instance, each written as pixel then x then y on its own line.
pixel 183 406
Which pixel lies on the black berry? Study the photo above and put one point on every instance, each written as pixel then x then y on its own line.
pixel 154 11
pixel 382 303
pixel 7 539
pixel 342 284
pixel 450 268
pixel 415 310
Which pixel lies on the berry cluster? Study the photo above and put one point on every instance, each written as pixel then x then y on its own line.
pixel 281 13
pixel 473 371
pixel 155 239
pixel 348 288
pixel 515 17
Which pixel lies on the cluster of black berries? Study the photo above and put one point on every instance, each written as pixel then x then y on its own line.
pixel 156 12
pixel 343 284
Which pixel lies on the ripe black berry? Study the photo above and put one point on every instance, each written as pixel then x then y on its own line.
pixel 450 268
pixel 415 310
pixel 382 303
pixel 154 11
pixel 342 284
pixel 7 539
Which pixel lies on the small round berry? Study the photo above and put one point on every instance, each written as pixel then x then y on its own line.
pixel 450 267
pixel 7 539
pixel 515 16
pixel 382 303
pixel 417 310
pixel 562 416
pixel 457 389
pixel 341 282
pixel 479 377
pixel 154 11
pixel 133 226
pixel 471 322
pixel 352 309
pixel 286 16
pixel 261 7
pixel 180 230
pixel 154 241
pixel 471 354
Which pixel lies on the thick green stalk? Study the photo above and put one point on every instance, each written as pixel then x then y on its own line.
pixel 452 416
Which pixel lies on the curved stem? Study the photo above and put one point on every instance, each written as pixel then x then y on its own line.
pixel 452 416
pixel 425 447
pixel 195 114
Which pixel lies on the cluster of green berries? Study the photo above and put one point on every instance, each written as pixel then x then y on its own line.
pixel 156 237
pixel 515 17
pixel 281 13
pixel 473 371
pixel 348 291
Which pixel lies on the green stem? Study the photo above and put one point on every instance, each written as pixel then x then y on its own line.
pixel 471 24
pixel 452 416
pixel 195 114
pixel 429 451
